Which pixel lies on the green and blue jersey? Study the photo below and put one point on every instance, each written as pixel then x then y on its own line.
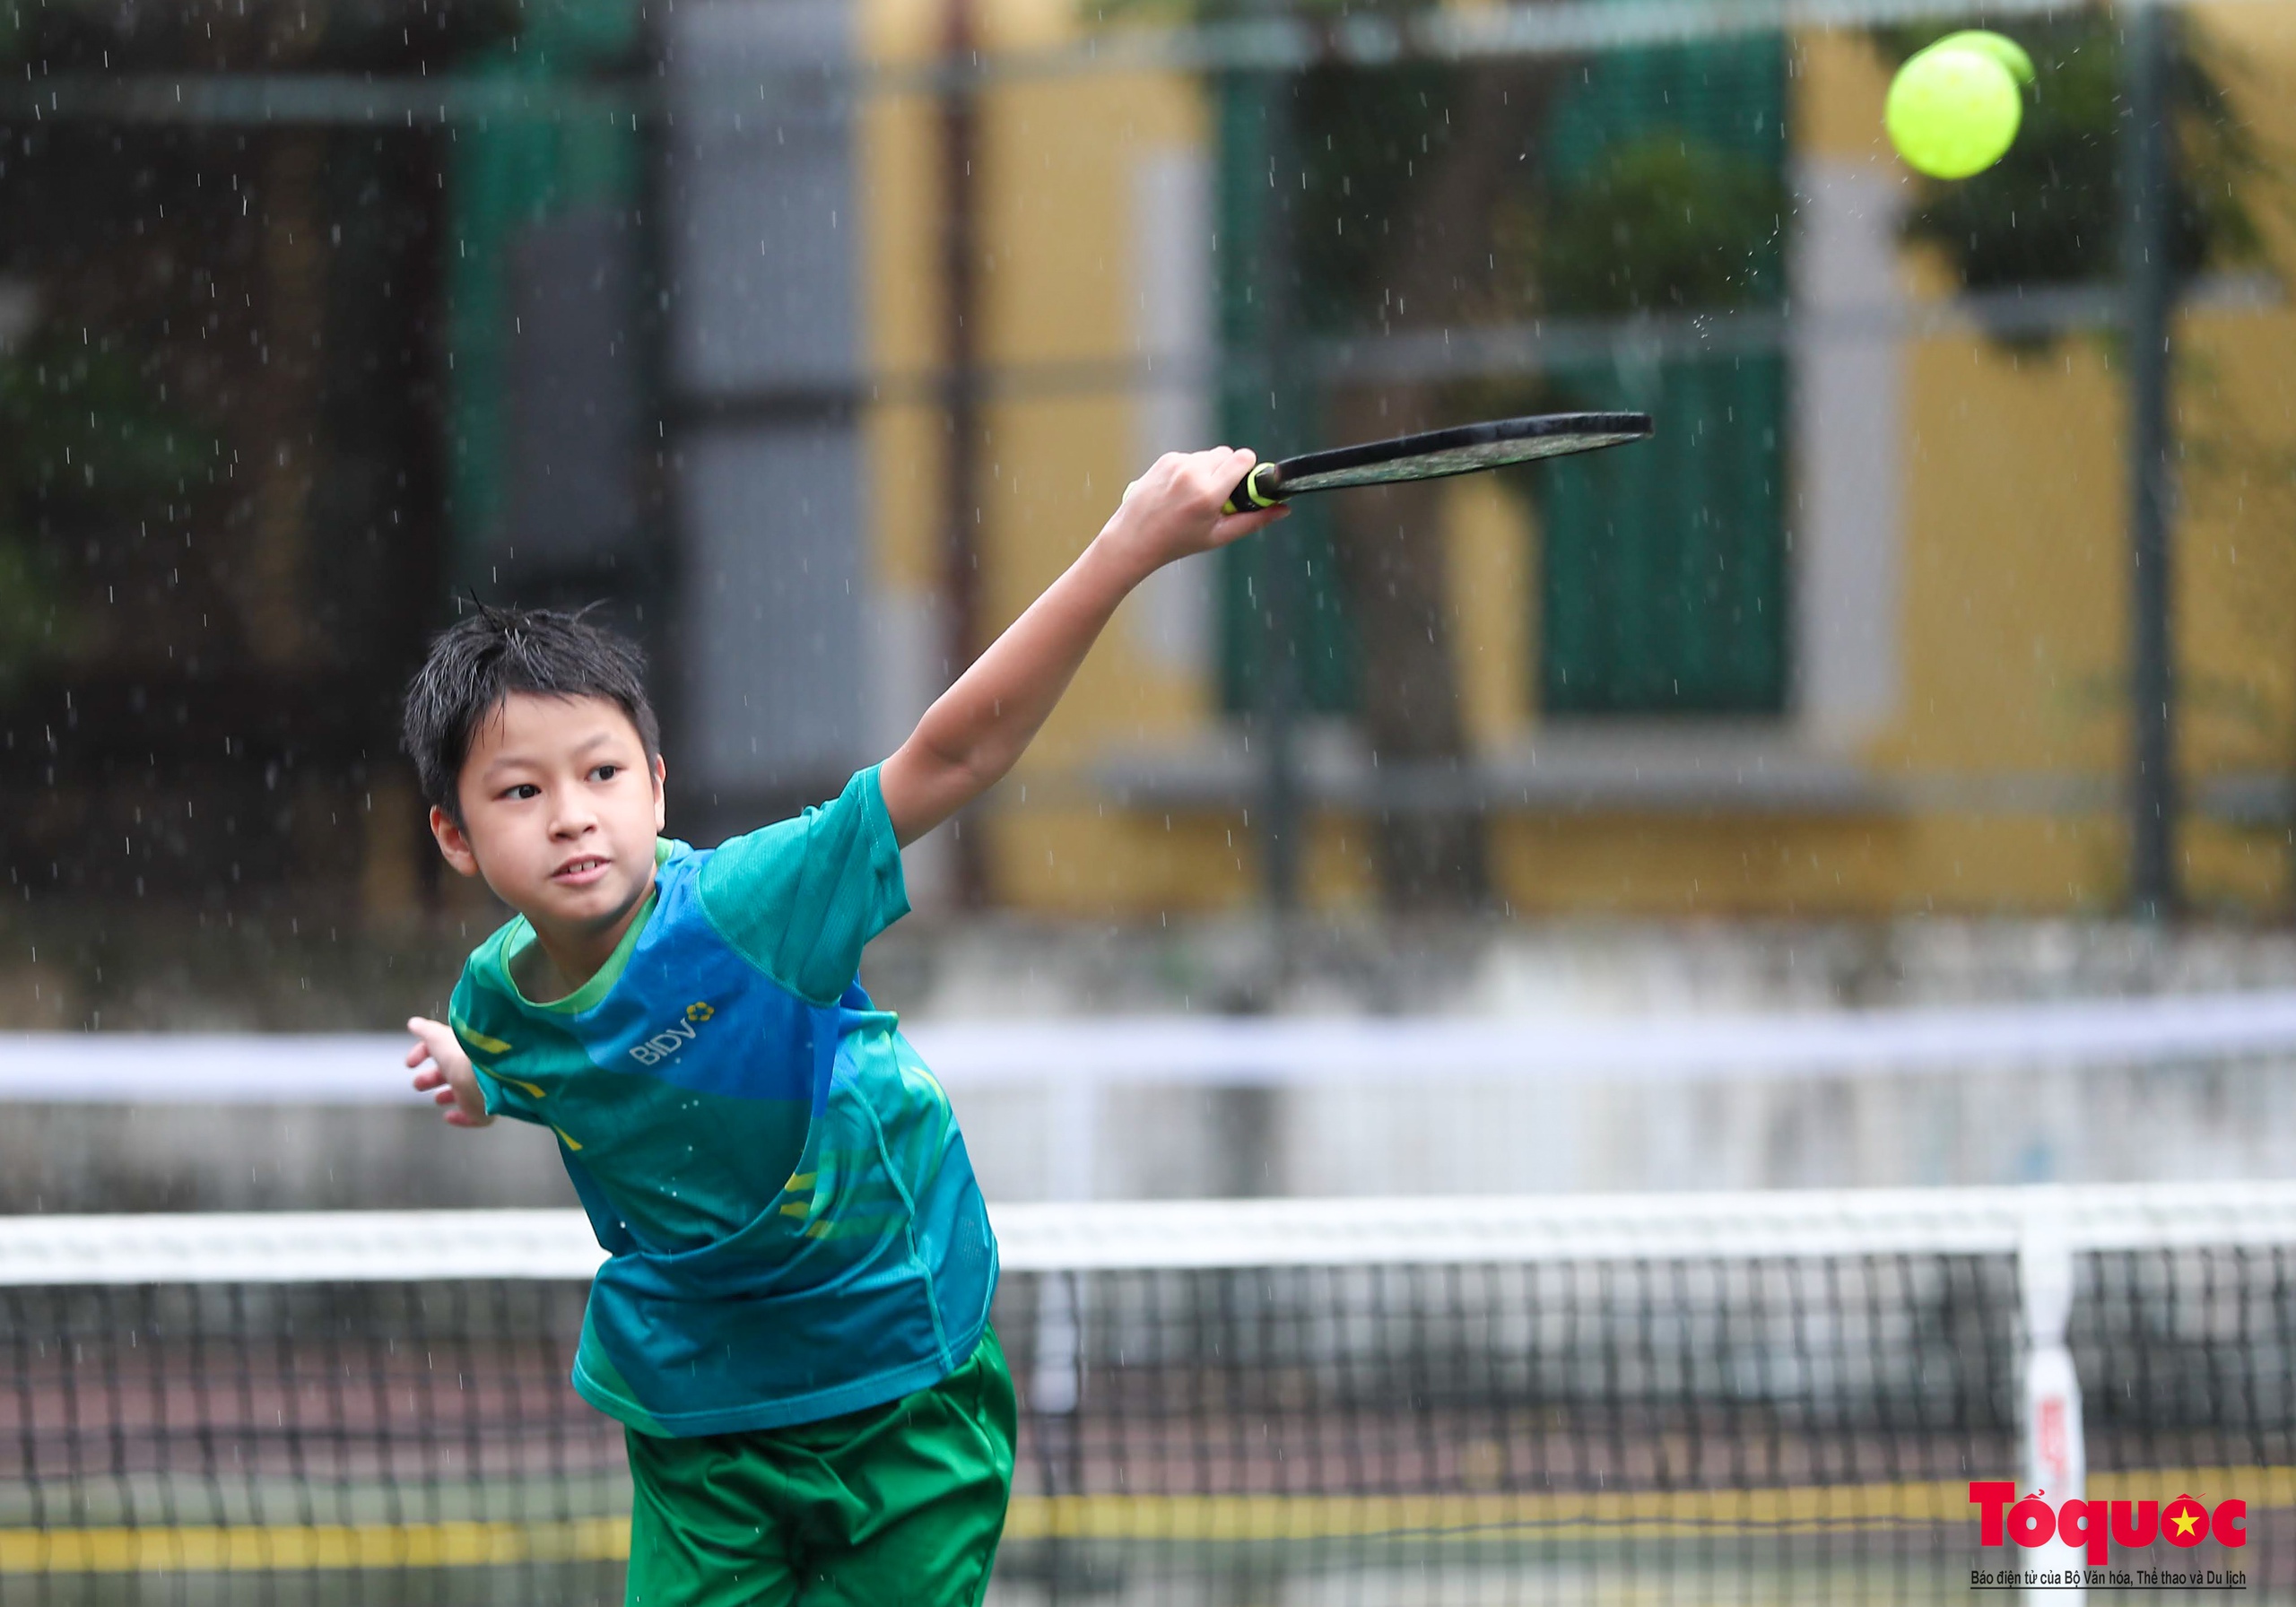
pixel 792 1225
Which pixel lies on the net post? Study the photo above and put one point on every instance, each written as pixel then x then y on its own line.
pixel 2053 1455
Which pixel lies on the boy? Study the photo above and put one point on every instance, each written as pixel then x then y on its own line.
pixel 792 1323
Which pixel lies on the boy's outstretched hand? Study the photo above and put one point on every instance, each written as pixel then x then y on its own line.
pixel 446 1069
pixel 1173 510
pixel 969 739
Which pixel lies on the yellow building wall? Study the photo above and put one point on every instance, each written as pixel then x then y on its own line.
pixel 1054 197
pixel 2015 580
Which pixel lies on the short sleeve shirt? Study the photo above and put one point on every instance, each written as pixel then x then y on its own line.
pixel 793 1226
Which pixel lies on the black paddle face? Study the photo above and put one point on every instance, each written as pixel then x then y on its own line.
pixel 1437 453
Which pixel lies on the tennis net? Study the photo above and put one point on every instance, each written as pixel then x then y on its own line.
pixel 1743 1398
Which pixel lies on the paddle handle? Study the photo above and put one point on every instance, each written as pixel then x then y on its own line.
pixel 1262 488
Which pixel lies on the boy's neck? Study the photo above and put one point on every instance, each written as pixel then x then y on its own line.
pixel 572 956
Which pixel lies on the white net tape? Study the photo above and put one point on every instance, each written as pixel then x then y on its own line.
pixel 388 1246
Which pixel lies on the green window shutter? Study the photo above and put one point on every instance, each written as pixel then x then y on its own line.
pixel 1325 639
pixel 1664 585
pixel 507 177
pixel 1664 581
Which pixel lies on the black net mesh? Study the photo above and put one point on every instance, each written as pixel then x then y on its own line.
pixel 1731 1431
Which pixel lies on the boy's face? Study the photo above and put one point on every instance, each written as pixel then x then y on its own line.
pixel 560 812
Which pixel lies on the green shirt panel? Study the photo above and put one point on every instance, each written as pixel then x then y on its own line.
pixel 801 898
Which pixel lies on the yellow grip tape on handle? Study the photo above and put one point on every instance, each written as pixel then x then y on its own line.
pixel 1250 491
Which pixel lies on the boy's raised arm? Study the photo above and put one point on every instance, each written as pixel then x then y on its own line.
pixel 972 735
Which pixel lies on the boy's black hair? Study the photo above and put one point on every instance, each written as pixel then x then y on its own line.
pixel 485 657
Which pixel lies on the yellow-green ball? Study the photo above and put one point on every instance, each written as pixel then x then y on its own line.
pixel 1952 110
pixel 2003 49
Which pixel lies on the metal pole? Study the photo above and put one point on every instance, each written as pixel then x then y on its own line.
pixel 2146 156
pixel 1279 571
pixel 960 120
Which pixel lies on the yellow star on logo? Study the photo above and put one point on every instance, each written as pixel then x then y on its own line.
pixel 699 1013
pixel 2184 1522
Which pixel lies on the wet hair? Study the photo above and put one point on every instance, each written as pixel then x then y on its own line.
pixel 485 657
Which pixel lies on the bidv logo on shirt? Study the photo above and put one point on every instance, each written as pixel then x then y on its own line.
pixel 673 1037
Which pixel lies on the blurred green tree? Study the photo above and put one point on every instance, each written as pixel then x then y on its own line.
pixel 220 502
pixel 88 452
pixel 1660 224
pixel 1407 175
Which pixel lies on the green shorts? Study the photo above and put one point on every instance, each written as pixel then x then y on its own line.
pixel 901 1503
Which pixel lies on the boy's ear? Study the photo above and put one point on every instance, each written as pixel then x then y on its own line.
pixel 661 794
pixel 452 843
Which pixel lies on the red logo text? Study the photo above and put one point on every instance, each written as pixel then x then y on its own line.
pixel 2097 1526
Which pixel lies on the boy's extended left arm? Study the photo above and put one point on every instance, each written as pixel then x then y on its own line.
pixel 972 735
